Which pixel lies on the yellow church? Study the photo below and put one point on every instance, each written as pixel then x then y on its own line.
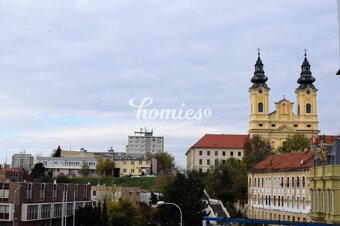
pixel 277 125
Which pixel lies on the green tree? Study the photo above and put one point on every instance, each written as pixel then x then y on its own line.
pixel 188 194
pixel 227 181
pixel 38 171
pixel 296 142
pixel 57 153
pixel 85 169
pixel 165 163
pixel 88 216
pixel 255 149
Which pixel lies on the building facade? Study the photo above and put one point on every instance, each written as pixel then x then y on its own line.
pixel 41 204
pixel 23 161
pixel 145 143
pixel 212 148
pixel 69 166
pixel 278 188
pixel 325 187
pixel 277 125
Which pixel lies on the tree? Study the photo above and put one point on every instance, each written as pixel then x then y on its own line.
pixel 256 149
pixel 105 167
pixel 88 216
pixel 38 171
pixel 188 194
pixel 165 163
pixel 125 214
pixel 62 178
pixel 85 169
pixel 296 142
pixel 227 181
pixel 57 153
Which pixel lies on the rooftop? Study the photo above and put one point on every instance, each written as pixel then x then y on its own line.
pixel 286 162
pixel 221 141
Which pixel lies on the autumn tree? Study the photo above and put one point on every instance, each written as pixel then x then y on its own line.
pixel 255 149
pixel 165 163
pixel 296 142
pixel 105 167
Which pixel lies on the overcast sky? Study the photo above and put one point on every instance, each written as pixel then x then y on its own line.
pixel 68 69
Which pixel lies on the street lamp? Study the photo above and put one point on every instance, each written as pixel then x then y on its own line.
pixel 15 195
pixel 170 203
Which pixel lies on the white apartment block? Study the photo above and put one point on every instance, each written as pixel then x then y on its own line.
pixel 23 161
pixel 70 166
pixel 278 188
pixel 144 142
pixel 212 148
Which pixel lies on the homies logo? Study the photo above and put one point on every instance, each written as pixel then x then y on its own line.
pixel 182 113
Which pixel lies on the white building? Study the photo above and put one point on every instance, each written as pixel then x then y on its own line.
pixel 23 161
pixel 70 166
pixel 214 147
pixel 145 142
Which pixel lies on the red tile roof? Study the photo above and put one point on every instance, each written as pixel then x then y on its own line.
pixel 221 141
pixel 285 162
pixel 328 139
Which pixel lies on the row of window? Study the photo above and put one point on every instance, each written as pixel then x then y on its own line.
pixel 270 216
pixel 279 201
pixel 231 153
pixel 279 182
pixel 308 108
pixel 139 163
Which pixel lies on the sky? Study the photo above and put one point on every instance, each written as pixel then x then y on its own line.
pixel 87 74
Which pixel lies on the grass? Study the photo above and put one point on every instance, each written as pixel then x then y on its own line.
pixel 143 182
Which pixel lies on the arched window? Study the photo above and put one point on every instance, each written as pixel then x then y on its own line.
pixel 260 107
pixel 308 108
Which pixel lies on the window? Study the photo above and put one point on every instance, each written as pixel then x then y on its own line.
pixel 200 152
pixel 278 201
pixel 45 211
pixel 308 108
pixel 231 153
pixel 216 153
pixel 76 191
pixel 208 152
pixel 42 192
pixel 94 193
pixel 287 183
pixel 298 182
pixel 54 192
pixel 303 203
pixel 293 182
pixel 200 170
pixel 274 201
pixel 208 161
pixel 32 212
pixel 239 153
pixel 85 191
pixel 273 125
pixel 223 153
pixel 69 209
pixel 132 162
pixel 281 200
pixel 303 182
pixel 288 201
pixel 297 202
pixel 140 162
pixel 260 125
pixel 132 170
pixel 28 192
pixel 4 211
pixel 57 210
pixel 260 107
pixel 4 192
pixel 200 161
pixel 216 162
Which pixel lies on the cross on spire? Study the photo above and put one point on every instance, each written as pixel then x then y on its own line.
pixel 305 52
pixel 258 51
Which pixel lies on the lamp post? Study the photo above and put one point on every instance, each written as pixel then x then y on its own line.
pixel 170 203
pixel 15 195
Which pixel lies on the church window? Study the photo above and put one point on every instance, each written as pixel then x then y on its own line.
pixel 308 126
pixel 295 125
pixel 260 124
pixel 273 125
pixel 308 108
pixel 260 107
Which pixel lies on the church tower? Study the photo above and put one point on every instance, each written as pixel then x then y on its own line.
pixel 259 95
pixel 306 101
